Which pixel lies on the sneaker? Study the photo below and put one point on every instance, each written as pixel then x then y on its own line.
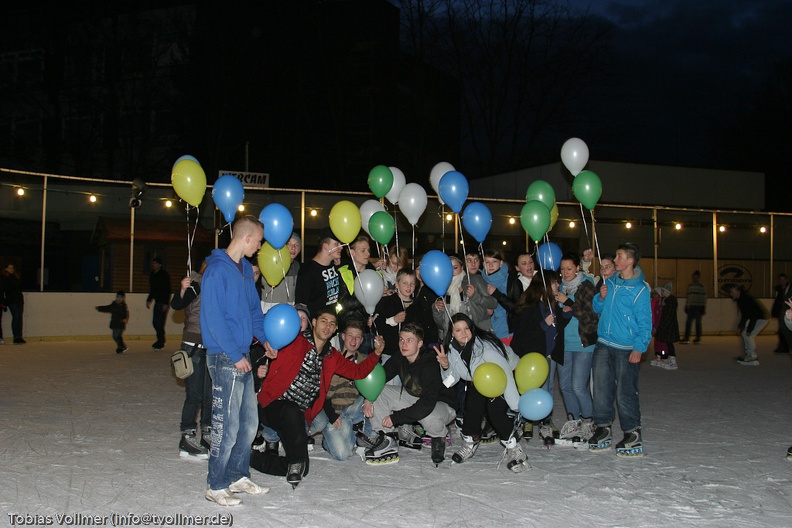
pixel 750 361
pixel 245 485
pixel 383 449
pixel 190 447
pixel 630 446
pixel 658 362
pixel 601 439
pixel 222 497
pixel 438 450
pixel 571 433
pixel 206 438
pixel 407 437
pixel 294 473
pixel 670 363
pixel 516 461
pixel 469 446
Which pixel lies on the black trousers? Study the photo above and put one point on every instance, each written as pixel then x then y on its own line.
pixel 289 421
pixel 476 406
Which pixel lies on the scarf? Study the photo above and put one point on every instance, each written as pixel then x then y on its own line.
pixel 569 288
pixel 454 295
pixel 465 352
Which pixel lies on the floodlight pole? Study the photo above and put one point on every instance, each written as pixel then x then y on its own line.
pixel 43 233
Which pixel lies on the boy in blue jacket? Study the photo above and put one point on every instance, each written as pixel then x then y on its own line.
pixel 625 330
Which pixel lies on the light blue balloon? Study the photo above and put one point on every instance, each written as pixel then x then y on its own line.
pixel 536 404
pixel 278 224
pixel 186 157
pixel 453 189
pixel 549 256
pixel 477 220
pixel 228 194
pixel 436 271
pixel 281 325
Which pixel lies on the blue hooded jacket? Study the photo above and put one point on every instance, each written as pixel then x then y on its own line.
pixel 625 313
pixel 230 308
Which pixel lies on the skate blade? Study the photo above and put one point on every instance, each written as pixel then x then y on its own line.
pixel 637 452
pixel 570 442
pixel 601 447
pixel 382 461
pixel 490 440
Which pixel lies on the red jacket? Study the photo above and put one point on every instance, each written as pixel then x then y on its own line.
pixel 285 368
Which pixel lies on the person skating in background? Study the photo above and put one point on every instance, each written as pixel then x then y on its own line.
pixel 666 328
pixel 783 291
pixel 119 315
pixel 695 308
pixel 198 385
pixel 624 332
pixel 160 295
pixel 11 296
pixel 753 318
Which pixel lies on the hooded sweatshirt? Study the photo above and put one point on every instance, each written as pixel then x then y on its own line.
pixel 625 313
pixel 230 308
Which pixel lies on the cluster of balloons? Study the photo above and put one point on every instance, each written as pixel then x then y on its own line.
pixel 587 186
pixel 390 183
pixel 189 180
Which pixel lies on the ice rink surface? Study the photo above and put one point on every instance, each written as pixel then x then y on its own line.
pixel 85 432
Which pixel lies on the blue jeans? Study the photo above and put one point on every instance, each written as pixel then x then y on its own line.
pixel 340 443
pixel 748 337
pixel 615 377
pixel 118 337
pixel 234 422
pixel 573 377
pixel 548 385
pixel 198 393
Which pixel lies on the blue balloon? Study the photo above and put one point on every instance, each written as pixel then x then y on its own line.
pixel 549 256
pixel 536 404
pixel 281 325
pixel 453 189
pixel 227 194
pixel 436 271
pixel 278 224
pixel 186 157
pixel 477 219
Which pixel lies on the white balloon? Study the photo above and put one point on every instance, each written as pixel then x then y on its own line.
pixel 412 202
pixel 398 185
pixel 367 210
pixel 574 155
pixel 369 288
pixel 437 172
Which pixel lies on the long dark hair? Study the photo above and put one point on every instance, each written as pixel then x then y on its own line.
pixel 538 291
pixel 475 332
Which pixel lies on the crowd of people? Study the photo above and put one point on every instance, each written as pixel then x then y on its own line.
pixel 258 407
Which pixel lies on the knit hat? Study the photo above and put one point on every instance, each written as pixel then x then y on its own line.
pixel 668 286
pixel 457 256
pixel 120 293
pixel 302 308
pixel 295 236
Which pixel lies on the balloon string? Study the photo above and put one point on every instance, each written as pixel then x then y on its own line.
pixel 596 240
pixel 585 226
pixel 442 224
pixel 413 247
pixel 464 251
pixel 544 282
pixel 396 229
pixel 283 269
pixel 189 242
pixel 481 252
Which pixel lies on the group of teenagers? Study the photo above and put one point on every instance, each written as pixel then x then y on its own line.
pixel 267 405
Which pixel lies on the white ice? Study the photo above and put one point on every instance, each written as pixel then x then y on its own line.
pixel 86 431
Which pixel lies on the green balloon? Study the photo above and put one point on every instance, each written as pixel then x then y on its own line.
pixel 542 191
pixel 382 227
pixel 535 219
pixel 380 180
pixel 587 188
pixel 371 386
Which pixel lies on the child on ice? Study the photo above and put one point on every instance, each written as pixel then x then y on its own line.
pixel 119 313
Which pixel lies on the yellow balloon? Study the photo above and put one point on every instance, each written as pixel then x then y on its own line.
pixel 531 372
pixel 553 216
pixel 189 181
pixel 345 221
pixel 274 263
pixel 490 380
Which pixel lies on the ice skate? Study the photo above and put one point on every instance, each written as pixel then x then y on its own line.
pixel 789 454
pixel 206 438
pixel 630 446
pixel 601 439
pixel 438 450
pixel 488 435
pixel 469 446
pixel 516 461
pixel 548 432
pixel 294 473
pixel 571 433
pixel 379 449
pixel 749 361
pixel 670 363
pixel 190 447
pixel 408 438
